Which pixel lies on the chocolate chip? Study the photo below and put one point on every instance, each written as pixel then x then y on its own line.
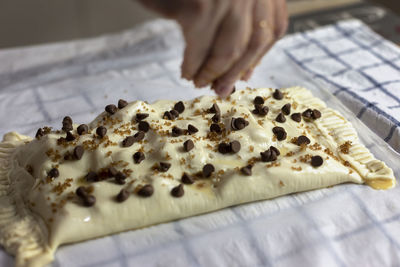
pixel 316 161
pixel 280 133
pixel 89 200
pixel 82 129
pixel 101 131
pixel 234 90
pixel 277 152
pixel 280 118
pixel 144 126
pixel 286 109
pixel 138 157
pixel 176 131
pixel 214 109
pixel 70 137
pixel 216 118
pixel 112 172
pixel 258 100
pixel 235 146
pixel 224 148
pixel 92 177
pixel 141 116
pixel 316 114
pixel 164 166
pixel 192 129
pixel 238 123
pixel 39 133
pixel 263 111
pixel 188 145
pixel 168 116
pixel 81 192
pixel 146 191
pixel 122 195
pixel 278 95
pixel 122 103
pixel 269 155
pixel 208 169
pixel 246 170
pixel 180 107
pixel 78 152
pixel 215 128
pixel 67 124
pixel 296 117
pixel 53 173
pixel 302 139
pixel 128 141
pixel 177 191
pixel 174 113
pixel 120 178
pixel 187 179
pixel 111 109
pixel 307 114
pixel 139 136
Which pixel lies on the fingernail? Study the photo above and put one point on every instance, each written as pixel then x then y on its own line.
pixel 200 82
pixel 224 90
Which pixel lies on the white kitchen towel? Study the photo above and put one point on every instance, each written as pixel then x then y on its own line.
pixel 347 225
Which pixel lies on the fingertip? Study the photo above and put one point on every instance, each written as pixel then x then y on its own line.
pixel 224 90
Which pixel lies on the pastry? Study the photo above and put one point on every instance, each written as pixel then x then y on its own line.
pixel 140 164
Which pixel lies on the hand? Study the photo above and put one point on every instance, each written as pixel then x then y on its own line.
pixel 225 39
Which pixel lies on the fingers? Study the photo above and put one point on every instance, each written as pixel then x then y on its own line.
pixel 262 38
pixel 230 43
pixel 281 18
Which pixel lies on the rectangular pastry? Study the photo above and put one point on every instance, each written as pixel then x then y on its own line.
pixel 140 164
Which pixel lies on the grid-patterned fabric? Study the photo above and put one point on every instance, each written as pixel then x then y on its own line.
pixel 347 225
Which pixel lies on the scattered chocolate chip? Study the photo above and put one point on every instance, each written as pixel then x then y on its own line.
pixel 235 146
pixel 269 155
pixel 146 191
pixel 263 111
pixel 208 169
pixel 128 141
pixel 92 177
pixel 78 152
pixel 177 191
pixel 246 170
pixel 278 95
pixel 215 128
pixel 112 172
pixel 82 129
pixel 214 109
pixel 39 133
pixel 280 133
pixel 302 139
pixel 192 129
pixel 234 90
pixel 53 173
pixel 176 131
pixel 111 109
pixel 277 152
pixel 224 148
pixel 180 107
pixel 316 114
pixel 141 116
pixel 168 116
pixel 238 123
pixel 187 179
pixel 216 118
pixel 280 118
pixel 296 117
pixel 316 161
pixel 101 131
pixel 258 100
pixel 67 124
pixel 286 109
pixel 307 114
pixel 120 178
pixel 174 113
pixel 122 103
pixel 188 145
pixel 89 200
pixel 69 137
pixel 122 195
pixel 138 157
pixel 81 191
pixel 139 136
pixel 144 126
pixel 164 166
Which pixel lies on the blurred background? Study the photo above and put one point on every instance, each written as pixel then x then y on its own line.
pixel 27 22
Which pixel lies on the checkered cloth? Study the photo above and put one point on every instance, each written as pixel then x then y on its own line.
pixel 347 225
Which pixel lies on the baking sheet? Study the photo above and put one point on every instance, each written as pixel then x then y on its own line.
pixel 347 225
